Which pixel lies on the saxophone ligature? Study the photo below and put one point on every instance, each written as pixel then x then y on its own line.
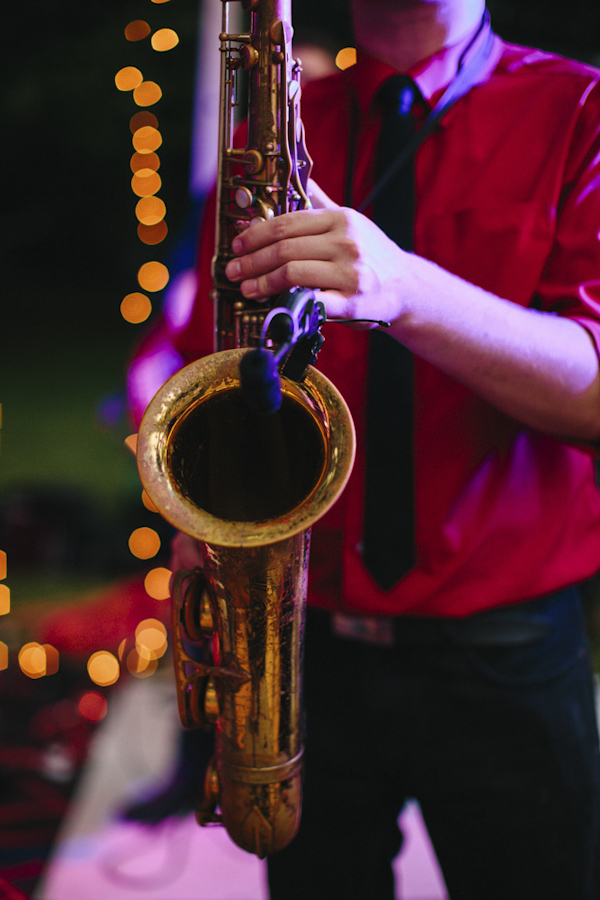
pixel 248 485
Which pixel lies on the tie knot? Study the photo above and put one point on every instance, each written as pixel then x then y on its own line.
pixel 397 94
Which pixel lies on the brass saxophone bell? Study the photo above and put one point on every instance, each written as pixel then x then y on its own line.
pixel 248 488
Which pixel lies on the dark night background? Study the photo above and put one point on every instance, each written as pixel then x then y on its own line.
pixel 69 246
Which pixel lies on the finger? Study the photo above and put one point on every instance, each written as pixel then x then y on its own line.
pixel 298 273
pixel 266 259
pixel 337 305
pixel 289 225
pixel 318 197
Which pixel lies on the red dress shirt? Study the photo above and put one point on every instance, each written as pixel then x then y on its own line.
pixel 508 198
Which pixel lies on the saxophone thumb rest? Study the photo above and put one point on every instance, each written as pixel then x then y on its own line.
pixel 294 326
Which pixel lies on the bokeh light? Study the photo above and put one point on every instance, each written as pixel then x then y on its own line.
pixel 103 668
pixel 346 58
pixel 3 565
pixel 33 660
pixel 159 1
pixel 52 659
pixel 146 139
pixel 136 308
pixel 137 30
pixel 4 599
pixel 147 93
pixel 156 583
pixel 144 542
pixel 145 183
pixel 128 78
pixel 150 210
pixel 164 39
pixel 152 234
pixel 151 639
pixel 131 443
pixel 153 276
pixel 3 655
pixel 148 502
pixel 93 706
pixel 142 119
pixel 145 161
pixel 140 666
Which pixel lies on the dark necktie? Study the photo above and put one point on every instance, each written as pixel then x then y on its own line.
pixel 388 530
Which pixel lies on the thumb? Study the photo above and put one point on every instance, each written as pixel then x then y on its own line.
pixel 318 197
pixel 339 306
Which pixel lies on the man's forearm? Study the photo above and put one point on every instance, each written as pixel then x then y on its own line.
pixel 539 368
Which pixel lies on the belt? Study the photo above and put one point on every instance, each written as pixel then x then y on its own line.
pixel 516 625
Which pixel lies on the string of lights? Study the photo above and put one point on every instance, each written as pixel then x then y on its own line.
pixel 150 209
pixel 139 654
pixel 141 660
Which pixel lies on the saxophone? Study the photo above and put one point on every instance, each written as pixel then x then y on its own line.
pixel 245 485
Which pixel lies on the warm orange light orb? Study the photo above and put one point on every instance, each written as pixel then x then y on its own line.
pixel 142 119
pixel 4 599
pixel 157 582
pixel 164 39
pixel 151 639
pixel 51 659
pixel 152 234
pixel 103 668
pixel 131 443
pixel 137 30
pixel 145 183
pixel 144 542
pixel 148 502
pixel 136 308
pixel 153 276
pixel 32 660
pixel 346 58
pixel 145 161
pixel 141 666
pixel 147 93
pixel 128 78
pixel 150 210
pixel 146 139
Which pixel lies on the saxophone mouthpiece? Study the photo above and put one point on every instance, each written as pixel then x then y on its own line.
pixel 259 379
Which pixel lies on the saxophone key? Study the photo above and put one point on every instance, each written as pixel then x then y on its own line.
pixel 244 197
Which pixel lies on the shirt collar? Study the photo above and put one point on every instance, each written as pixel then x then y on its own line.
pixel 432 75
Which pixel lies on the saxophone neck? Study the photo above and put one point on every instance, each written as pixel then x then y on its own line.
pixel 269 175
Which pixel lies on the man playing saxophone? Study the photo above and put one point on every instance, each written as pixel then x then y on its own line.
pixel 461 678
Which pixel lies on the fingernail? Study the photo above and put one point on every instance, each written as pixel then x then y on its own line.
pixel 236 245
pixel 233 269
pixel 250 287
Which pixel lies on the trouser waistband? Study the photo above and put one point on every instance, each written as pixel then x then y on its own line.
pixel 512 625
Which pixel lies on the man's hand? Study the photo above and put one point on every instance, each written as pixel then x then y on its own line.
pixel 537 367
pixel 358 269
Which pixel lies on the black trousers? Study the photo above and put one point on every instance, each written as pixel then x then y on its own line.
pixel 497 742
